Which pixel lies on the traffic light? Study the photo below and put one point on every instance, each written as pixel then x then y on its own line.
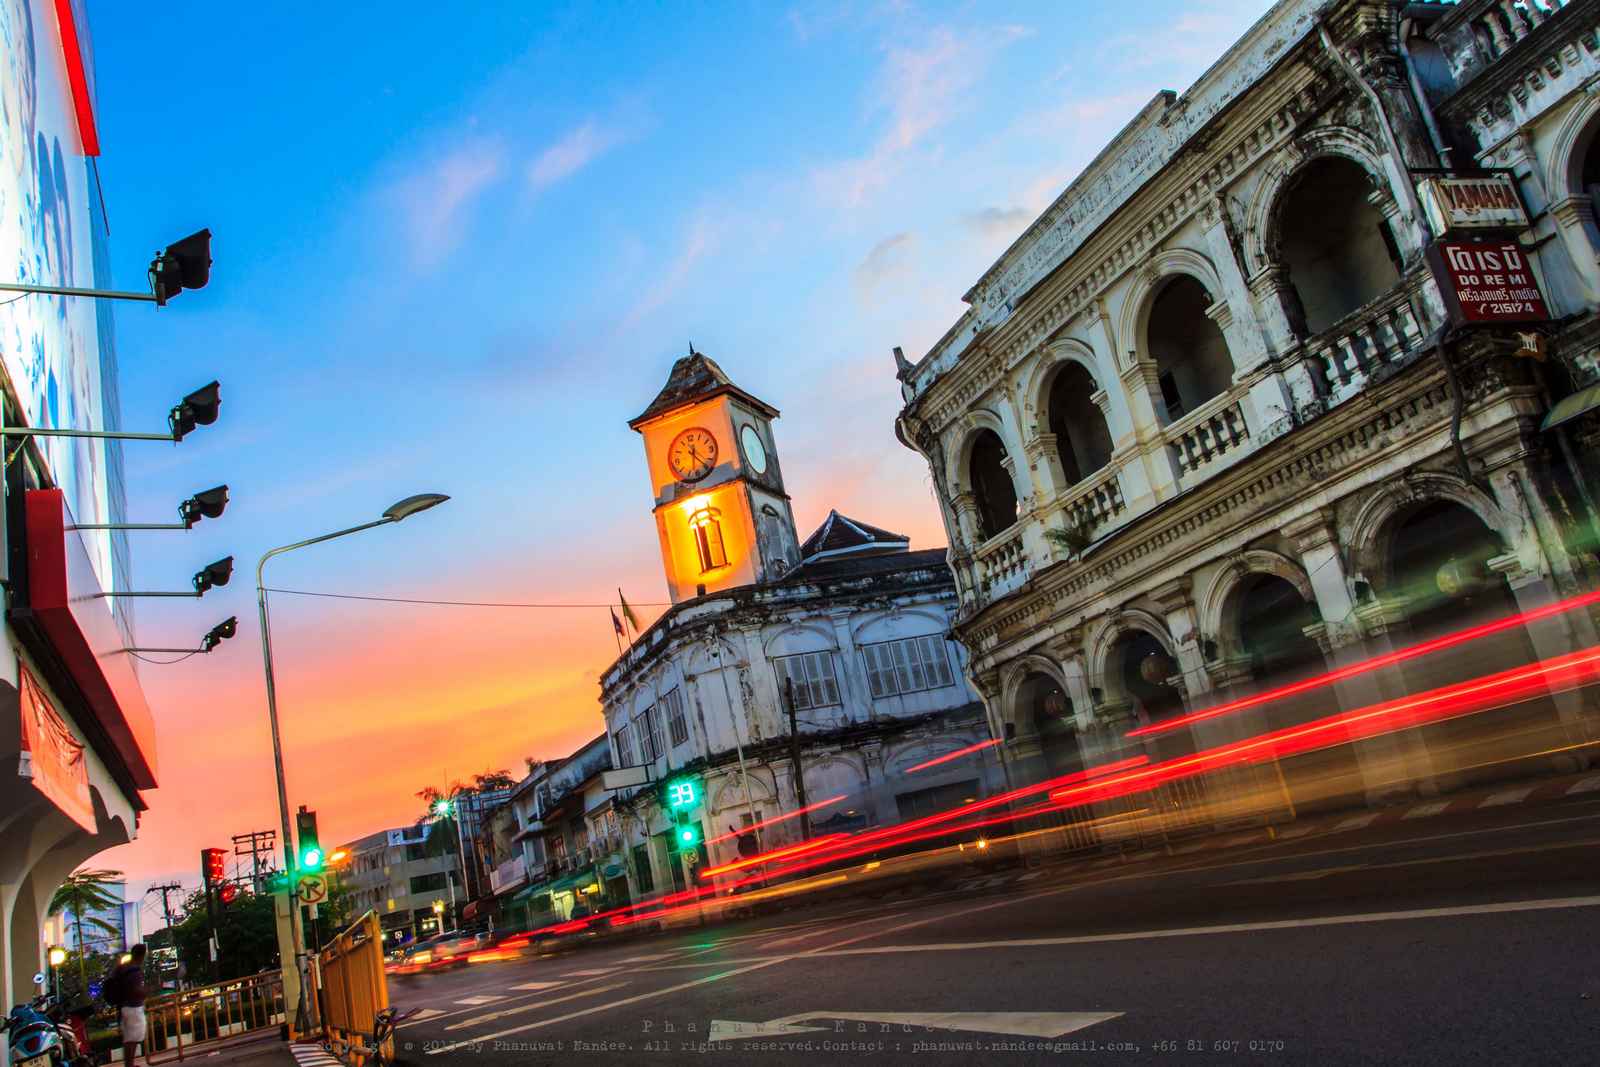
pixel 228 893
pixel 211 866
pixel 686 834
pixel 219 633
pixel 185 264
pixel 199 408
pixel 215 574
pixel 207 504
pixel 305 826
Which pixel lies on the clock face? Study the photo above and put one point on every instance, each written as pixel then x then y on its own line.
pixel 755 453
pixel 692 454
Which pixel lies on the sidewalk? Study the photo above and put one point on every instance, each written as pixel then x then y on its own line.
pixel 261 1048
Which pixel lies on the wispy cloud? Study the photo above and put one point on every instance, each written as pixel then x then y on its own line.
pixel 435 201
pixel 887 260
pixel 993 223
pixel 919 89
pixel 574 151
pixel 700 239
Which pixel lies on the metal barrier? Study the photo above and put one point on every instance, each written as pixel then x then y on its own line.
pixel 196 1017
pixel 354 989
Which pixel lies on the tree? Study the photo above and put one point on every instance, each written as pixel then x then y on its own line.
pixel 489 780
pixel 247 936
pixel 442 834
pixel 82 893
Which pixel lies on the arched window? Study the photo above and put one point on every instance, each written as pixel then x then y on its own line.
pixel 1082 439
pixel 1337 245
pixel 991 484
pixel 1272 621
pixel 1591 172
pixel 1188 348
pixel 1143 667
pixel 1045 711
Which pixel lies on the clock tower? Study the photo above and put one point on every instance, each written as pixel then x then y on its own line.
pixel 721 511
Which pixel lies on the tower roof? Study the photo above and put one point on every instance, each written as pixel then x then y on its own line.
pixel 839 535
pixel 694 378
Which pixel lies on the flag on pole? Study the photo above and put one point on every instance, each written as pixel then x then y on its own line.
pixel 627 612
pixel 616 624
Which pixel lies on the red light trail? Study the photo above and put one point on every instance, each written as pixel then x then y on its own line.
pixel 1422 648
pixel 957 754
pixel 795 814
pixel 766 857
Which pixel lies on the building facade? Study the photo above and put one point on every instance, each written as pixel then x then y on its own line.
pixel 399 874
pixel 77 741
pixel 1207 426
pixel 848 628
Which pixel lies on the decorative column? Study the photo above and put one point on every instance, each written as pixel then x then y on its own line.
pixel 1156 477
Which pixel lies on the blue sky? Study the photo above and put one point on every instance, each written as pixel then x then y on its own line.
pixel 457 253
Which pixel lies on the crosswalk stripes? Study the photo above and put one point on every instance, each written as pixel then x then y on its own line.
pixel 534 987
pixel 480 1000
pixel 422 1015
pixel 311 1055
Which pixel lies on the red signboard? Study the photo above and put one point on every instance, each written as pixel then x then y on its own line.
pixel 1487 282
pixel 51 756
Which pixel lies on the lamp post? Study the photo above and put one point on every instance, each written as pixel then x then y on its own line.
pixel 399 510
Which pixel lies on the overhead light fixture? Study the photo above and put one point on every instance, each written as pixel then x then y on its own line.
pixel 199 408
pixel 219 633
pixel 208 504
pixel 214 574
pixel 185 264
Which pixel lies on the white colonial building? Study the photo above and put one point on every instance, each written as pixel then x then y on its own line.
pixel 851 622
pixel 1204 426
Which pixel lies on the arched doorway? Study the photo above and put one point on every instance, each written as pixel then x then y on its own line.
pixel 1044 708
pixel 1272 620
pixel 1591 172
pixel 1190 353
pixel 1337 245
pixel 1083 441
pixel 991 484
pixel 1439 576
pixel 1141 665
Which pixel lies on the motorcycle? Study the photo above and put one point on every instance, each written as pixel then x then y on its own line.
pixel 40 1035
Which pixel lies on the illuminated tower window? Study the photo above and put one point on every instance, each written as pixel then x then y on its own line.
pixel 707 526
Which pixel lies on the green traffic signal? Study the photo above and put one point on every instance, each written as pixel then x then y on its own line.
pixel 311 859
pixel 687 836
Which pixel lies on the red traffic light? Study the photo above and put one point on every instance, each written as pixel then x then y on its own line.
pixel 228 893
pixel 211 865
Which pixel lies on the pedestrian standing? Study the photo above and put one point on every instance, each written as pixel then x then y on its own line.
pixel 125 991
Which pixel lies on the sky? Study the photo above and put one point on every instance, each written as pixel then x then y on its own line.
pixel 456 254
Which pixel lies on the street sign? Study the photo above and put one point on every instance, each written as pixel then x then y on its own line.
pixel 1486 282
pixel 623 777
pixel 312 888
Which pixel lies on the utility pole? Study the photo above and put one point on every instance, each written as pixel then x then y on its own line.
pixel 794 760
pixel 255 844
pixel 166 889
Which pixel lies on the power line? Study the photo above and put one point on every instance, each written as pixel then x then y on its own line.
pixel 460 603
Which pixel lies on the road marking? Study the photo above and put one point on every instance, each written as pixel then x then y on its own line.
pixel 1356 823
pixel 1299 876
pixel 1509 796
pixel 491 1016
pixel 1044 1024
pixel 525 996
pixel 1587 785
pixel 646 958
pixel 1422 811
pixel 480 1000
pixel 536 985
pixel 719 976
pixel 592 972
pixel 1506 907
pixel 312 1056
pixel 422 1015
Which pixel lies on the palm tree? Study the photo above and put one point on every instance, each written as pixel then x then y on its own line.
pixel 82 893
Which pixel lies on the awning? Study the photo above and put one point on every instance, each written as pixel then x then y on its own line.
pixel 1570 407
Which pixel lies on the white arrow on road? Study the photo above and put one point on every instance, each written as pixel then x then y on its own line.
pixel 1017 1023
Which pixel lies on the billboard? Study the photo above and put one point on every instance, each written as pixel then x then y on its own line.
pixel 58 352
pixel 1479 202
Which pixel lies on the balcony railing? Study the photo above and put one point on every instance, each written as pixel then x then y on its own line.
pixel 1503 23
pixel 1095 502
pixel 1211 431
pixel 1385 332
pixel 1002 563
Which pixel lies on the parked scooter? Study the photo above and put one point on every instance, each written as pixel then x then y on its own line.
pixel 42 1035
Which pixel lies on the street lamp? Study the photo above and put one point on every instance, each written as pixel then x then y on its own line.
pixel 401 509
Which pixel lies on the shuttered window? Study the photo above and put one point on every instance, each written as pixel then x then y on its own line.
pixel 677 726
pixel 812 675
pixel 649 731
pixel 624 741
pixel 909 666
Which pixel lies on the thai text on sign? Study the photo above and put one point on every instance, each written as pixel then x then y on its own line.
pixel 1487 282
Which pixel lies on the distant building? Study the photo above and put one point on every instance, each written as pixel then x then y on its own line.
pixel 850 624
pixel 399 874
pixel 123 917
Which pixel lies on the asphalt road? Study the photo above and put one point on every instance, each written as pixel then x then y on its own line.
pixel 1450 941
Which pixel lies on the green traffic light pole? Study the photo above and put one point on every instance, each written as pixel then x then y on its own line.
pixel 400 510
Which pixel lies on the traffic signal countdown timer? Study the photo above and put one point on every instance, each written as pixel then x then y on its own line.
pixel 681 796
pixel 215 877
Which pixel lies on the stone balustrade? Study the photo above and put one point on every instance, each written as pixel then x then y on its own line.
pixel 1002 564
pixel 1384 332
pixel 1095 502
pixel 1205 435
